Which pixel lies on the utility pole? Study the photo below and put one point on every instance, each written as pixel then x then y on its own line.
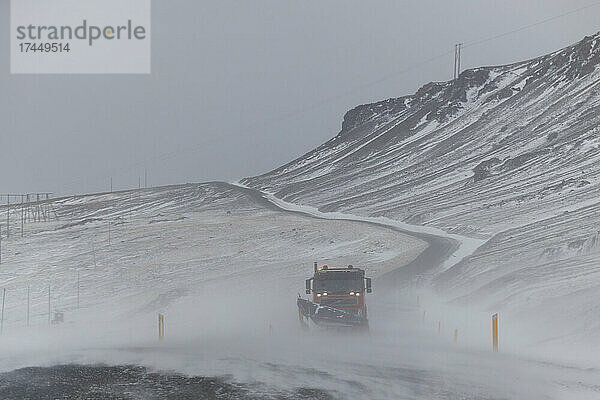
pixel 455 61
pixel 22 217
pixel 111 190
pixel 27 305
pixel 457 50
pixel 48 304
pixel 47 208
pixel 0 244
pixel 7 215
pixel 78 289
pixel 2 321
pixel 145 178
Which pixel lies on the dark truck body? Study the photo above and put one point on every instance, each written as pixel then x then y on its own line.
pixel 338 297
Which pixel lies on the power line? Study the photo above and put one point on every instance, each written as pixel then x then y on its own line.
pixel 525 27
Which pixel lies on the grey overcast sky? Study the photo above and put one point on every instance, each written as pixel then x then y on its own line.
pixel 240 87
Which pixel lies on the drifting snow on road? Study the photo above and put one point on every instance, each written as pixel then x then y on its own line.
pixel 225 267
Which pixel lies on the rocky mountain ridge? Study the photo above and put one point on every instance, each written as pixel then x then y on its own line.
pixel 506 153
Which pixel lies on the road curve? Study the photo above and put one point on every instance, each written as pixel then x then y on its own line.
pixel 438 249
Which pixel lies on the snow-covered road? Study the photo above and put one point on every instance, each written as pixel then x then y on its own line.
pixel 223 264
pixel 442 251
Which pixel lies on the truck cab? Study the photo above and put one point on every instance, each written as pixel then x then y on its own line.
pixel 340 288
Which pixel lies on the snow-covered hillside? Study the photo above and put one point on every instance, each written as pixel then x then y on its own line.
pixel 225 266
pixel 222 266
pixel 140 251
pixel 504 159
pixel 507 153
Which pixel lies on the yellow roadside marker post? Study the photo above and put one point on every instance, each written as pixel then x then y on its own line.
pixel 495 331
pixel 161 326
pixel 439 327
pixel 456 336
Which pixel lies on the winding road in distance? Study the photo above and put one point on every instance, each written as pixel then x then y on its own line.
pixel 438 249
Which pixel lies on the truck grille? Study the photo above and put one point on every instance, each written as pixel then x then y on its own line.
pixel 345 301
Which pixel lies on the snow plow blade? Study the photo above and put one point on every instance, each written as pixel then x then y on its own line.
pixel 329 316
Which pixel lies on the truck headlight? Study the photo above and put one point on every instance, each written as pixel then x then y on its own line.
pixel 324 293
pixel 318 294
pixel 351 293
pixel 358 294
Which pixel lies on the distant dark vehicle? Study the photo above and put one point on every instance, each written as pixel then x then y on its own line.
pixel 338 297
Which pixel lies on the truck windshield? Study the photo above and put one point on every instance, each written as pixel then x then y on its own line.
pixel 332 285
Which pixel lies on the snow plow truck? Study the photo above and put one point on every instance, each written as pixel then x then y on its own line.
pixel 338 298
